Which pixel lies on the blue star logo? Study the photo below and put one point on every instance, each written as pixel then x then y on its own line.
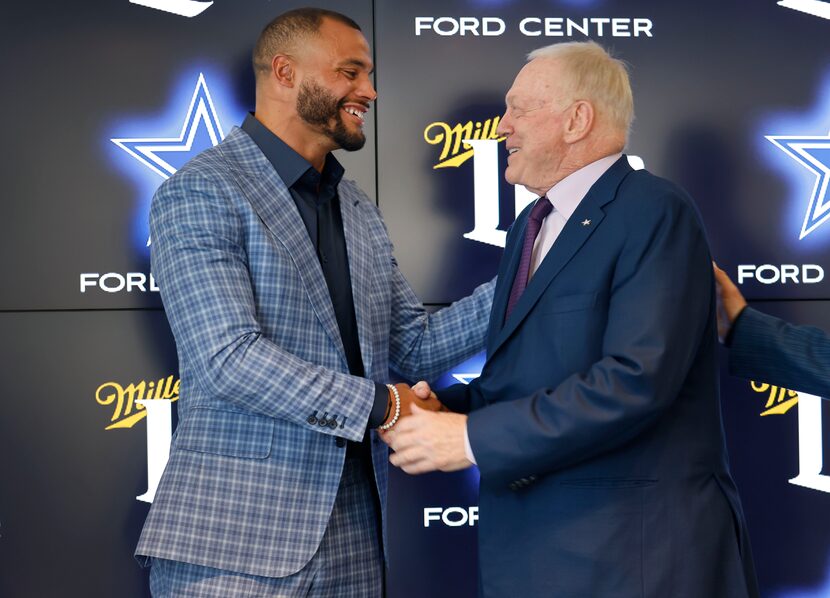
pixel 466 378
pixel 184 8
pixel 163 156
pixel 179 150
pixel 817 8
pixel 813 153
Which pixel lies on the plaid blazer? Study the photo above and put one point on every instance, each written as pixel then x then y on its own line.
pixel 250 483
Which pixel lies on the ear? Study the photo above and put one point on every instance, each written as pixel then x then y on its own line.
pixel 580 121
pixel 282 67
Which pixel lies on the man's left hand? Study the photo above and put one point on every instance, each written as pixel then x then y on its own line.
pixel 428 441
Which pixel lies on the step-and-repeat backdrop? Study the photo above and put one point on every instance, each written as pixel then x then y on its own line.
pixel 103 100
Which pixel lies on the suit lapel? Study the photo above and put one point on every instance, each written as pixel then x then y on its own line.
pixel 274 205
pixel 507 272
pixel 580 226
pixel 360 257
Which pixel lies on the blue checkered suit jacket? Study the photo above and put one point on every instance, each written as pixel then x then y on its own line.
pixel 250 483
pixel 767 348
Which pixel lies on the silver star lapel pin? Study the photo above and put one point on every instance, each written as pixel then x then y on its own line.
pixel 586 222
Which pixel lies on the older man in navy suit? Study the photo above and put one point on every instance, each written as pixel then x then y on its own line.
pixel 288 310
pixel 595 422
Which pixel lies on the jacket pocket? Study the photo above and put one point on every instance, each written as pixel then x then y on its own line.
pixel 228 433
pixel 567 303
pixel 608 482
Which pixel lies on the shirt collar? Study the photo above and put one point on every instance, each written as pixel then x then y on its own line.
pixel 567 194
pixel 290 165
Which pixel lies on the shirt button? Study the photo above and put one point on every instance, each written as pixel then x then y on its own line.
pixel 340 442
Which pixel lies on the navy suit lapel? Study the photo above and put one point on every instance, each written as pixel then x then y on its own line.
pixel 358 248
pixel 507 272
pixel 274 205
pixel 580 226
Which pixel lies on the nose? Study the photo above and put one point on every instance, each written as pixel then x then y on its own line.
pixel 367 90
pixel 505 127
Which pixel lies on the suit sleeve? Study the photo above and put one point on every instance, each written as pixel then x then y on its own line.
pixel 424 345
pixel 660 307
pixel 768 349
pixel 199 260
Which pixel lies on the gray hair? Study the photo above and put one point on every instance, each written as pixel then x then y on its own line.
pixel 593 74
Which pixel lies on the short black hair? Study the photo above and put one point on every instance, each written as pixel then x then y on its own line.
pixel 282 34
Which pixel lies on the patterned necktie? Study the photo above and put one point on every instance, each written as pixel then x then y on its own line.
pixel 542 208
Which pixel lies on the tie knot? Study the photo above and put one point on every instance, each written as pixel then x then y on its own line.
pixel 542 208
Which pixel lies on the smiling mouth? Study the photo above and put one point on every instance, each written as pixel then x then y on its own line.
pixel 356 113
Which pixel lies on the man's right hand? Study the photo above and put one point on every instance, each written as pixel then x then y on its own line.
pixel 420 394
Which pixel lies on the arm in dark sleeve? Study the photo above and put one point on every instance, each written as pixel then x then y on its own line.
pixel 768 349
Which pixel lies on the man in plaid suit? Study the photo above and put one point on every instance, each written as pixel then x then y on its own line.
pixel 288 310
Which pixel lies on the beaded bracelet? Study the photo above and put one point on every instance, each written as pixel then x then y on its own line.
pixel 394 419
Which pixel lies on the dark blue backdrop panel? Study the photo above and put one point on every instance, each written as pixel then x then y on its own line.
pixel 721 90
pixel 68 509
pixel 102 100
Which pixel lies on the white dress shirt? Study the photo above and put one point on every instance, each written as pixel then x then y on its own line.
pixel 566 195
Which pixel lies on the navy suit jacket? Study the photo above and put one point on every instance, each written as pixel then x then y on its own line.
pixel 767 348
pixel 596 419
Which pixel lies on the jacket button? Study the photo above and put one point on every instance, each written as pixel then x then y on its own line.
pixel 312 420
pixel 513 486
pixel 332 423
pixel 323 422
pixel 340 442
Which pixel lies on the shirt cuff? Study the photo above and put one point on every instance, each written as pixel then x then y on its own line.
pixel 378 413
pixel 468 450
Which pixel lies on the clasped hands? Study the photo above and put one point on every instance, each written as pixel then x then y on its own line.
pixel 427 436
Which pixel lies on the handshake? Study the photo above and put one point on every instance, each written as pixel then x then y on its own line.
pixel 401 399
pixel 423 434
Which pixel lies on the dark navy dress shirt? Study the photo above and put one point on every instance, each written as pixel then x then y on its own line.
pixel 316 198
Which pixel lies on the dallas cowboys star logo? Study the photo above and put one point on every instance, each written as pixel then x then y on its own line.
pixel 813 153
pixel 817 8
pixel 184 8
pixel 165 155
pixel 147 150
pixel 466 378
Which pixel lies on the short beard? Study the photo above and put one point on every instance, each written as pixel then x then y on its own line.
pixel 318 107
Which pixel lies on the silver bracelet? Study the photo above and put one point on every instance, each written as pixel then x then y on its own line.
pixel 394 419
